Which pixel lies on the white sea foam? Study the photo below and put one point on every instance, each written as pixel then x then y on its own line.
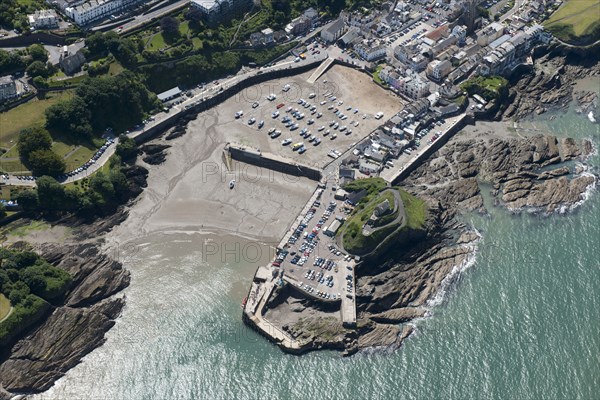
pixel 587 193
pixel 591 117
pixel 447 282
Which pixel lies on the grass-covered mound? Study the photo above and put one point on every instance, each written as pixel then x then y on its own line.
pixel 354 241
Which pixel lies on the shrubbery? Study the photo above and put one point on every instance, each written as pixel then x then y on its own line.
pixel 28 281
pixel 105 192
pixel 34 147
pixel 99 103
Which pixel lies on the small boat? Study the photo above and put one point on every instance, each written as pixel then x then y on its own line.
pixel 244 301
pixel 231 183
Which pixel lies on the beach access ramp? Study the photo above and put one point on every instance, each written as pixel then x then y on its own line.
pixel 320 71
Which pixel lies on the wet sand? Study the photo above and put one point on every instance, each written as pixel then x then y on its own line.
pixel 190 192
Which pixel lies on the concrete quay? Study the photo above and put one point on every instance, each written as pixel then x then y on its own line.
pixel 272 161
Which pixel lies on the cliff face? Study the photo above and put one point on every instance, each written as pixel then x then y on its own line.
pixel 74 328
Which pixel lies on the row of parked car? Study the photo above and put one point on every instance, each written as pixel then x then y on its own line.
pixel 90 162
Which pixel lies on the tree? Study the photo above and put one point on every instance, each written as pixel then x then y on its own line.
pixel 170 26
pixel 37 68
pixel 10 62
pixel 38 53
pixel 46 162
pixel 31 140
pixel 40 82
pixel 50 193
pixel 126 147
pixel 2 211
pixel 28 200
pixel 70 117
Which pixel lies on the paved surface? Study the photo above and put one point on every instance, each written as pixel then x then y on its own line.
pixel 405 161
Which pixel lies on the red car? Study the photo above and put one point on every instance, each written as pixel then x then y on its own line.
pixel 280 105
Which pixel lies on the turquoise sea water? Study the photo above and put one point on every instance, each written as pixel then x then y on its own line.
pixel 523 322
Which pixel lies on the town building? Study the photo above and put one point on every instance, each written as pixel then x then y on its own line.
pixel 257 39
pixel 298 26
pixel 216 11
pixel 43 19
pixel 490 33
pixel 268 35
pixel 8 87
pixel 437 70
pixel 71 62
pixel 169 94
pixel 312 15
pixel 512 51
pixel 370 52
pixel 90 11
pixel 334 31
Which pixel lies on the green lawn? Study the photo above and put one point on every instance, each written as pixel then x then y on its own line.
pixel 184 28
pixel 376 77
pixel 4 306
pixel 197 43
pixel 575 18
pixel 157 42
pixel 67 82
pixel 27 115
pixel 115 68
pixel 353 240
pixel 415 210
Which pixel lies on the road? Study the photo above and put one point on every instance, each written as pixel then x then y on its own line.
pixel 143 19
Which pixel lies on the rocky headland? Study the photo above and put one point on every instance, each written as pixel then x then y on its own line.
pixel 539 174
pixel 74 327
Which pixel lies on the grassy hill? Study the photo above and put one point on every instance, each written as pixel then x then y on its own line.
pixel 353 239
pixel 576 21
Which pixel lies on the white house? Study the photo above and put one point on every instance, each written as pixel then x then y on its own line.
pixel 43 19
pixel 370 53
pixel 93 10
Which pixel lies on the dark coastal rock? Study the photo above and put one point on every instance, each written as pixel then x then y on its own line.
pixel 75 327
pixel 550 85
pixel 155 159
pixel 154 153
pixel 57 345
pixel 398 315
pixel 393 292
pixel 154 148
pixel 95 275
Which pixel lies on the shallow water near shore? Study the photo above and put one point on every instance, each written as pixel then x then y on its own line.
pixel 522 322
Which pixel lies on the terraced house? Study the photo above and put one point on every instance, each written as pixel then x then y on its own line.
pixel 85 13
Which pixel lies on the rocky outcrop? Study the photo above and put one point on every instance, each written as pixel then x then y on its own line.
pixel 398 315
pixel 550 85
pixel 154 154
pixel 57 345
pixel 75 327
pixel 523 174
